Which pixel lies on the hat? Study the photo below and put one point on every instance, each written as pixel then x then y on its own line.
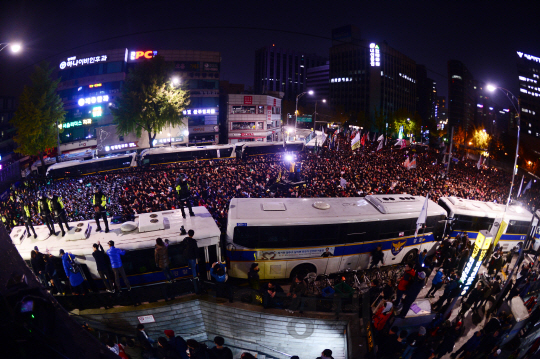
pixel 422 275
pixel 422 331
pixel 169 333
pixel 36 248
pixel 111 243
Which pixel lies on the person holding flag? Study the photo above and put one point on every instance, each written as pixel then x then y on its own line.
pixel 421 221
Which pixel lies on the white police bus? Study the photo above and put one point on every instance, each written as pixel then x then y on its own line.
pixel 88 167
pixel 289 236
pixel 471 216
pixel 139 243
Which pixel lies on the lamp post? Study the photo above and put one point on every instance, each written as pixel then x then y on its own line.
pixel 15 47
pixel 511 98
pixel 296 109
pixel 315 120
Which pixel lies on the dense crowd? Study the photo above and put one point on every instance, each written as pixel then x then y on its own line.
pixel 214 183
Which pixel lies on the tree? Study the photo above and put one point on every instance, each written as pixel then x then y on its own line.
pixel 460 136
pixel 149 101
pixel 481 139
pixel 39 113
pixel 403 118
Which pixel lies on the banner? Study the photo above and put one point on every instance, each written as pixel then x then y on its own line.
pixel 355 142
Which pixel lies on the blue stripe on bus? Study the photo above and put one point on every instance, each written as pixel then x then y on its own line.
pixel 504 237
pixel 339 250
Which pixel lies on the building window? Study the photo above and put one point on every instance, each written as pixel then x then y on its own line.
pixel 260 110
pixel 243 110
pixel 235 126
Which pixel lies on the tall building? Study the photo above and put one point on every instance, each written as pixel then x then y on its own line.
pixel 461 96
pixel 368 77
pixel 426 93
pixel 318 81
pixel 91 82
pixel 283 70
pixel 529 93
pixel 441 112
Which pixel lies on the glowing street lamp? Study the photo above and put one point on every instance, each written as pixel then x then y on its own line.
pixel 310 92
pixel 13 46
pixel 175 81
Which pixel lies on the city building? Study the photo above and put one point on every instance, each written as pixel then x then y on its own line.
pixel 461 97
pixel 253 118
pixel 225 89
pixel 91 82
pixel 8 106
pixel 368 77
pixel 529 94
pixel 283 70
pixel 441 112
pixel 318 80
pixel 426 93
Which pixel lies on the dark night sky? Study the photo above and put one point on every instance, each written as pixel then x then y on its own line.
pixel 484 35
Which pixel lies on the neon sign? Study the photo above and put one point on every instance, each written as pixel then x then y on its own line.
pixel 374 55
pixel 94 85
pixel 200 111
pixel 86 121
pixel 135 55
pixel 97 111
pixel 93 100
pixel 529 57
pixel 121 146
pixel 73 61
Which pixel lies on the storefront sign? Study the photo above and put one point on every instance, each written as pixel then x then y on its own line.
pixel 135 55
pixel 146 319
pixel 73 61
pixel 86 121
pixel 121 146
pixel 76 145
pixel 211 66
pixel 248 100
pixel 200 111
pixel 296 253
pixel 187 66
pixel 94 85
pixel 247 134
pixel 97 111
pixel 481 246
pixel 93 100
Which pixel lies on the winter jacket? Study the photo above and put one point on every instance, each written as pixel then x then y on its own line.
pixel 100 258
pixel 114 255
pixel 190 247
pixel 75 279
pixel 179 344
pixel 161 255
pixel 405 280
pixel 380 319
pixel 218 278
pixel 438 278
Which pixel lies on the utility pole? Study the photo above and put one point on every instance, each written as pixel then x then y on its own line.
pixel 450 154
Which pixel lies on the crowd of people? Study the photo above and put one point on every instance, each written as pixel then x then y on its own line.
pixel 214 183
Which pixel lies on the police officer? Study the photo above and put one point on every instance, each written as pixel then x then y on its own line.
pixel 184 194
pixel 45 212
pixel 99 201
pixel 57 208
pixel 24 208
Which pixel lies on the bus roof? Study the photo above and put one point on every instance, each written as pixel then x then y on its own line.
pixel 83 162
pixel 470 207
pixel 206 233
pixel 158 150
pixel 305 211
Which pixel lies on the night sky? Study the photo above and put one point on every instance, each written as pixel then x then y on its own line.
pixel 484 35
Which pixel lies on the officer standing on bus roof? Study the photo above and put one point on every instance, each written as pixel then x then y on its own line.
pixel 45 212
pixel 184 194
pixel 26 216
pixel 99 200
pixel 57 207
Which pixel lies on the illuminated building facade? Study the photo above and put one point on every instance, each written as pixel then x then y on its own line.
pixel 529 93
pixel 366 77
pixel 253 118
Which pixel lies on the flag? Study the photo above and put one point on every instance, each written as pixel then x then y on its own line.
pixel 423 215
pixel 380 146
pixel 521 184
pixel 479 164
pixel 279 177
pixel 528 186
pixel 406 163
pixel 398 143
pixel 403 144
pixel 381 137
pixel 342 182
pixel 374 136
pixel 363 140
pixel 218 154
pixel 355 143
pixel 412 164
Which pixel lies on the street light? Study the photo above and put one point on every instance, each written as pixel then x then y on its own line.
pixel 175 81
pixel 511 98
pixel 310 92
pixel 15 47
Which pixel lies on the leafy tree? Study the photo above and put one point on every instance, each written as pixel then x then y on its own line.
pixel 460 136
pixel 39 113
pixel 402 117
pixel 481 139
pixel 149 100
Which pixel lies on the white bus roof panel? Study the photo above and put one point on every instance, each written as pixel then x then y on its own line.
pixel 206 233
pixel 475 208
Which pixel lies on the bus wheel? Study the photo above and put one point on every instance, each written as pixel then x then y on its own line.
pixel 410 257
pixel 302 270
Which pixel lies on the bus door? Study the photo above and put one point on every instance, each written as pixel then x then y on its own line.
pixel 350 262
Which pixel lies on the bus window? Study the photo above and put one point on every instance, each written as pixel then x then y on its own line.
pixel 139 261
pixel 517 227
pixel 361 232
pixel 321 235
pixel 274 237
pixel 397 228
pixel 246 236
pixel 176 256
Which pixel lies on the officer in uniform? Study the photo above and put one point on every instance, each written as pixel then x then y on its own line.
pixel 24 208
pixel 184 194
pixel 45 212
pixel 57 207
pixel 99 201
